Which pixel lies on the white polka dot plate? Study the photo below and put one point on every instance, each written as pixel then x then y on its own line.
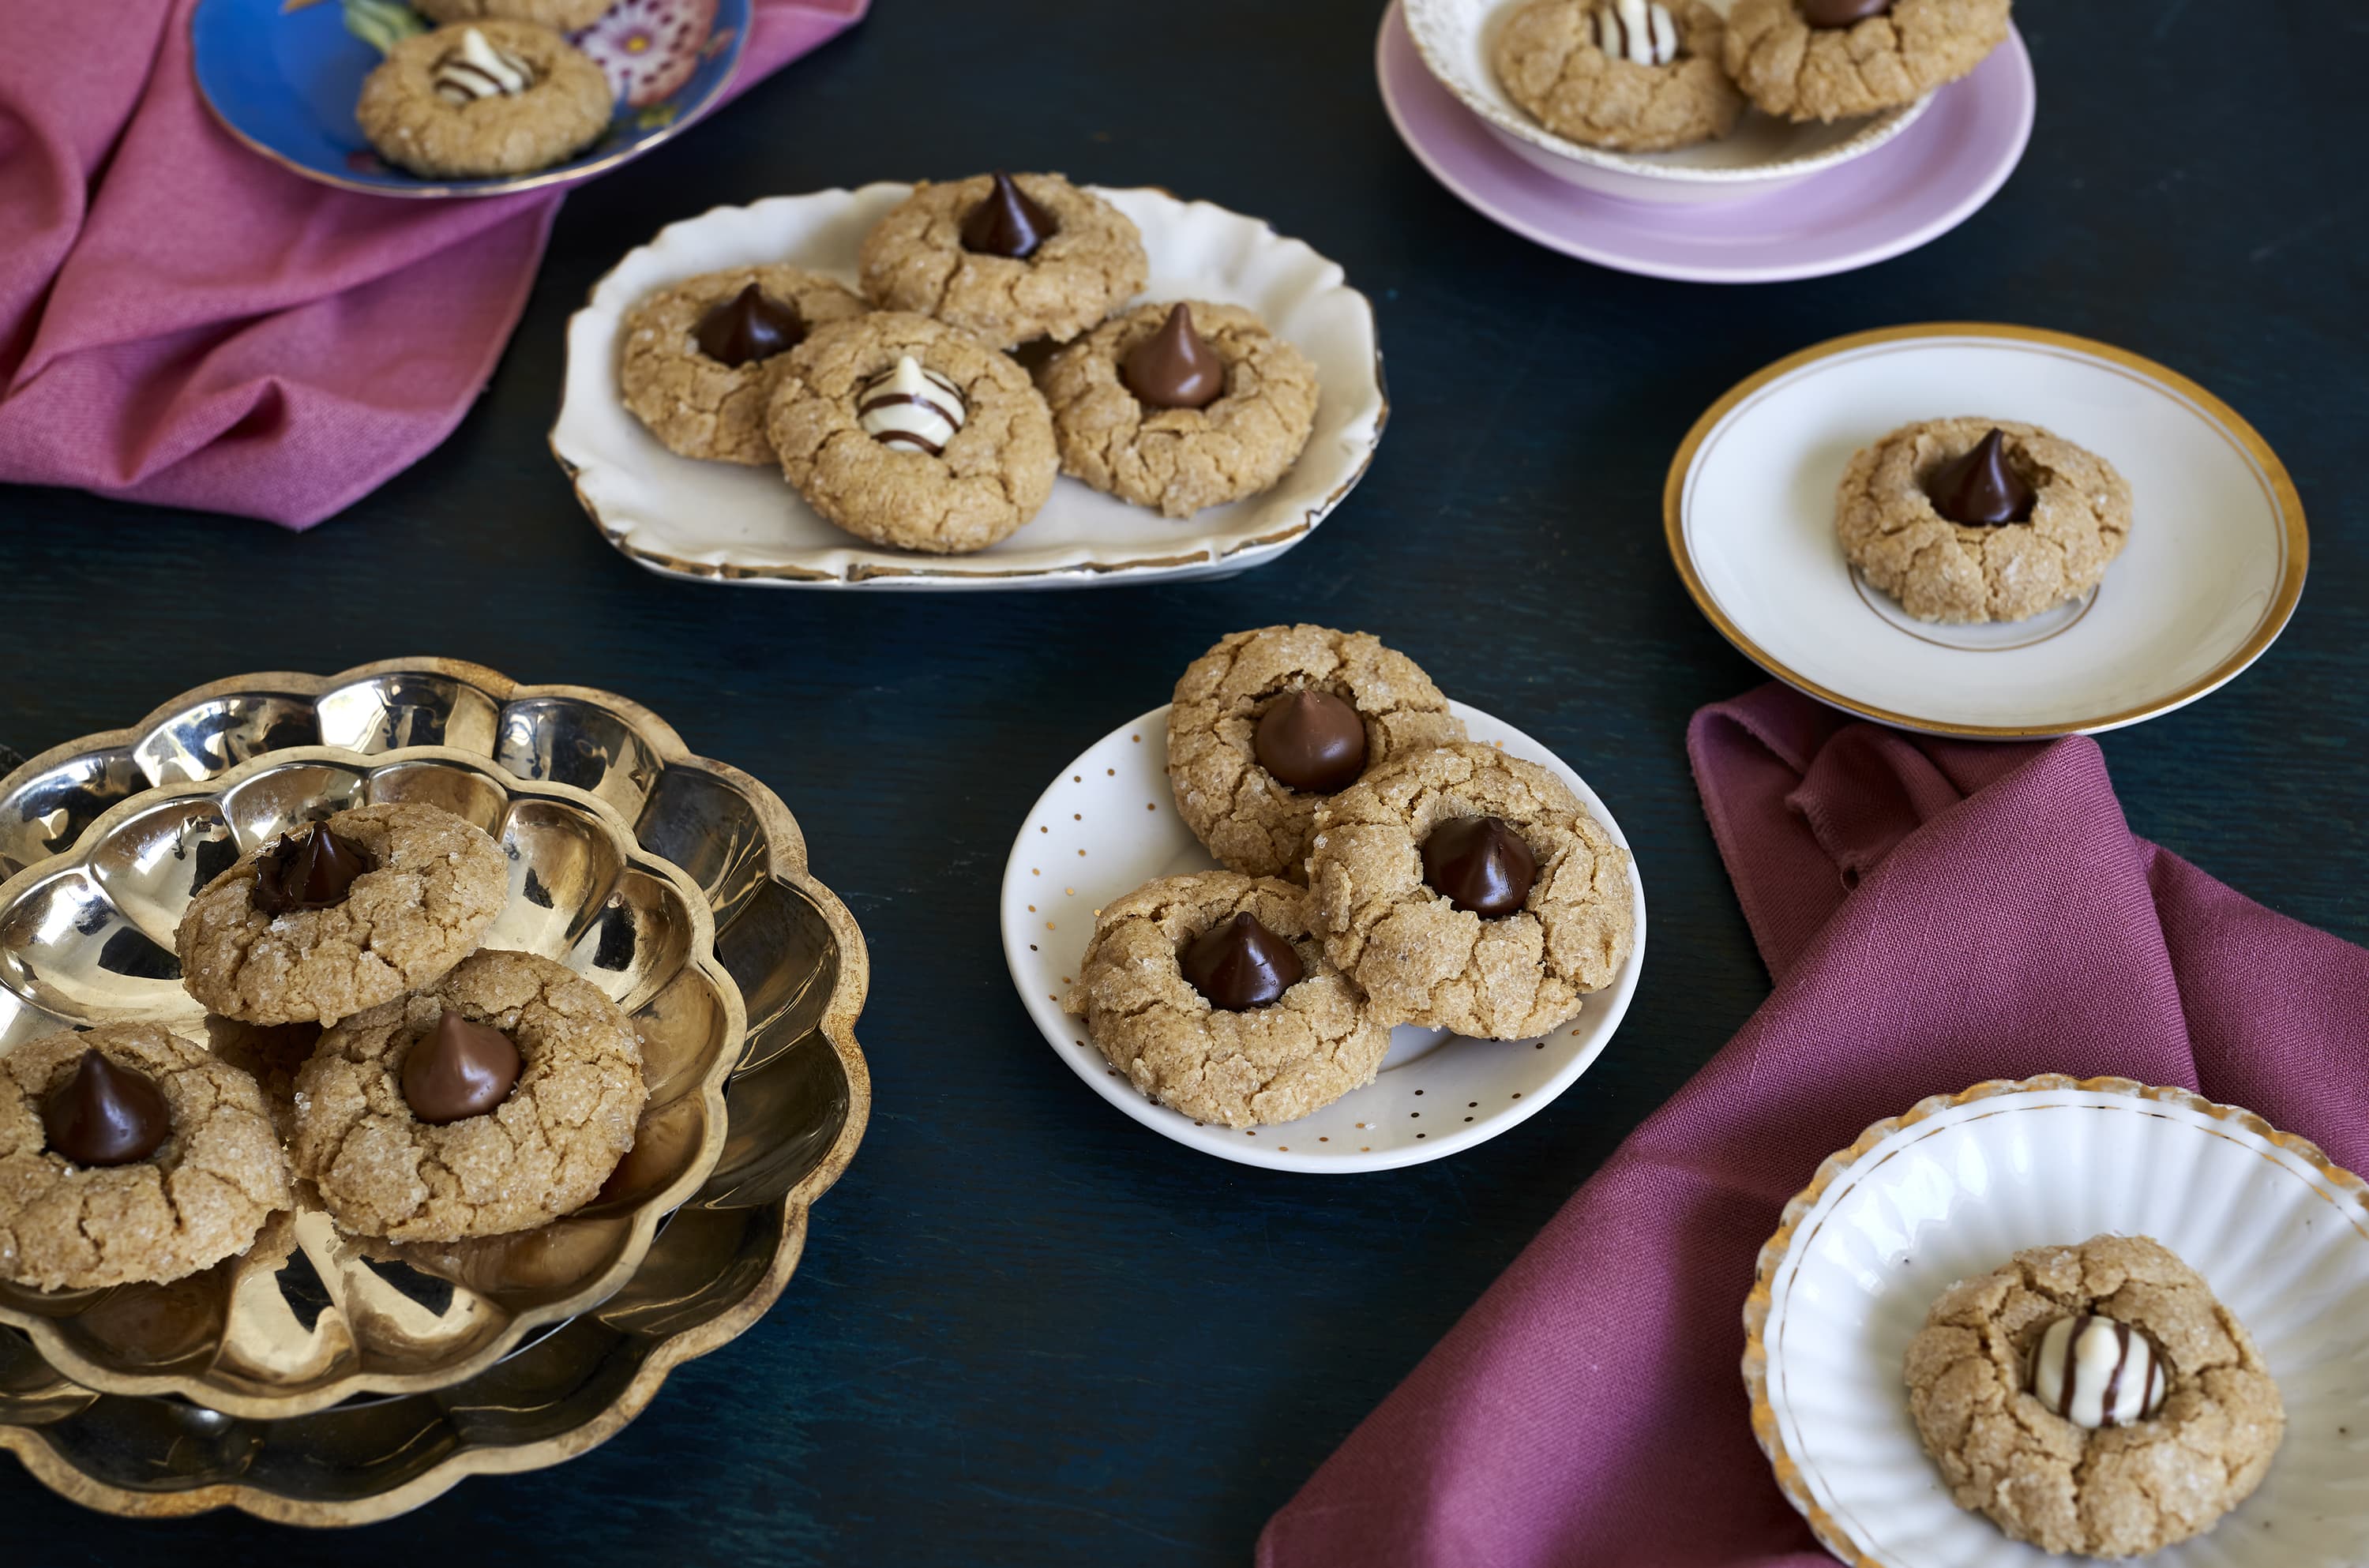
pixel 1108 824
pixel 2212 571
pixel 1958 1183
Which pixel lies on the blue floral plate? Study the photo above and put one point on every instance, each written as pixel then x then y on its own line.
pixel 283 76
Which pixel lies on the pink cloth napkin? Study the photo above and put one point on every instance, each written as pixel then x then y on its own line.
pixel 185 323
pixel 1935 913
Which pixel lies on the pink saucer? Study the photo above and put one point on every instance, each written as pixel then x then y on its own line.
pixel 1926 183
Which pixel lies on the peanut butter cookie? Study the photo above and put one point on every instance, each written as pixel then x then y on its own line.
pixel 341 915
pixel 1627 76
pixel 1981 519
pixel 1210 994
pixel 1833 59
pixel 1323 707
pixel 417 1127
pixel 152 1163
pixel 1181 411
pixel 701 358
pixel 1469 890
pixel 2161 1417
pixel 1007 257
pixel 947 466
pixel 477 99
pixel 565 15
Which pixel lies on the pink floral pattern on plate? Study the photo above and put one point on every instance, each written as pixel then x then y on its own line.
pixel 648 48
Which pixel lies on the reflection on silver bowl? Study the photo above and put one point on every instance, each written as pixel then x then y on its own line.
pixel 797 1107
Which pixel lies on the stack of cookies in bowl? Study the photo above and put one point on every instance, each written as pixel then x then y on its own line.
pixel 362 1049
pixel 1380 869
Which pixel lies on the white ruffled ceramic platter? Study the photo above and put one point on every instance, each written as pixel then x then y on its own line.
pixel 1108 824
pixel 1457 40
pixel 719 522
pixel 2213 568
pixel 1960 1182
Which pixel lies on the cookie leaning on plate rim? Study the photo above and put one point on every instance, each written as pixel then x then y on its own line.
pixel 1912 1216
pixel 1458 40
pixel 1108 825
pixel 684 519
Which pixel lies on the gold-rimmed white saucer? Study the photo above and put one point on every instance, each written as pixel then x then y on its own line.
pixel 2215 566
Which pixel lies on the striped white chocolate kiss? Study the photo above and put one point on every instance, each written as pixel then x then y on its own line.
pixel 1639 31
pixel 478 70
pixel 2096 1372
pixel 910 407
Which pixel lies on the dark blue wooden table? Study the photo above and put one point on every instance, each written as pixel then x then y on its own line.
pixel 1026 1330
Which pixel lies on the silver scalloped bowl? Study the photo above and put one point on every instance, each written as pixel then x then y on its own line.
pixel 308 1316
pixel 708 849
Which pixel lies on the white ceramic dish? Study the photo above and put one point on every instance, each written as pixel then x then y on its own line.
pixel 1762 154
pixel 1108 824
pixel 2213 570
pixel 720 523
pixel 1954 1186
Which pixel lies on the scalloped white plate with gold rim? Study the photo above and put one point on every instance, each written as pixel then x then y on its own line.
pixel 1108 824
pixel 2212 571
pixel 724 522
pixel 1959 1182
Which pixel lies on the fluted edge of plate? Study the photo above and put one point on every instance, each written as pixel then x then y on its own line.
pixel 786 863
pixel 1757 1305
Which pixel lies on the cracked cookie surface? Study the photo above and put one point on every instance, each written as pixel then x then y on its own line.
pixel 1798 71
pixel 1266 1064
pixel 566 105
pixel 915 260
pixel 1423 961
pixel 993 475
pixel 702 407
pixel 2116 1491
pixel 1547 60
pixel 541 1153
pixel 1180 460
pixel 1945 571
pixel 200 1197
pixel 1252 821
pixel 438 882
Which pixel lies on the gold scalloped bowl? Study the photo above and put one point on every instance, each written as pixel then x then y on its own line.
pixel 309 1316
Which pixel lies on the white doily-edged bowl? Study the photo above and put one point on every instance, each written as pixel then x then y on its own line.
pixel 1108 824
pixel 722 523
pixel 1960 1182
pixel 1762 154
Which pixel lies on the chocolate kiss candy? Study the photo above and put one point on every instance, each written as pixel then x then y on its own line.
pixel 105 1114
pixel 1176 367
pixel 462 1070
pixel 1982 489
pixel 1239 964
pixel 1481 863
pixel 308 871
pixel 1311 740
pixel 748 327
pixel 1841 13
pixel 1007 222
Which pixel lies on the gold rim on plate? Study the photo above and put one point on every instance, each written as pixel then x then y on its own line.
pixel 940 569
pixel 2296 537
pixel 1759 1304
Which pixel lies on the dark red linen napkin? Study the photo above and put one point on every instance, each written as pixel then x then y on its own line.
pixel 1935 913
pixel 184 323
